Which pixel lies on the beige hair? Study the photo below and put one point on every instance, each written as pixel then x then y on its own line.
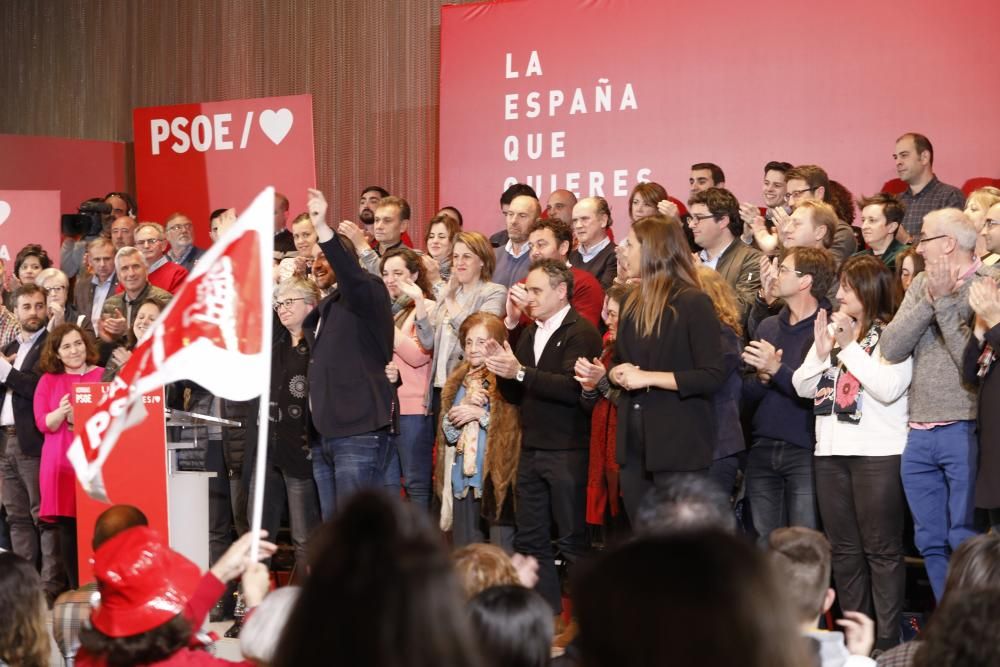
pixel 149 225
pixel 48 274
pixel 128 251
pixel 300 287
pixel 952 222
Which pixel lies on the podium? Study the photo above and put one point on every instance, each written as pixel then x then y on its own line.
pixel 142 471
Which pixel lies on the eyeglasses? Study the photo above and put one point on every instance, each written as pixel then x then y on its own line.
pixel 180 225
pixel 796 193
pixel 784 269
pixel 147 242
pixel 990 222
pixel 286 304
pixel 698 217
pixel 55 289
pixel 931 238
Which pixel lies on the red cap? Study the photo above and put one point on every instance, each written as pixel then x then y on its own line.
pixel 143 583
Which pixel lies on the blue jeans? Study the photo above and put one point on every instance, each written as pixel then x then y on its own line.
pixel 780 486
pixel 303 508
pixel 326 481
pixel 358 462
pixel 939 479
pixel 412 459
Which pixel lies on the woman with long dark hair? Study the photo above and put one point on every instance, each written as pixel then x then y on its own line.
pixel 861 426
pixel 668 360
pixel 405 276
pixel 24 637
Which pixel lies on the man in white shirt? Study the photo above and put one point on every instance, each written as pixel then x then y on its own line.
pixel 595 252
pixel 89 295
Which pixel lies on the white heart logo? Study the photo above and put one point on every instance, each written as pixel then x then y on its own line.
pixel 276 124
pixel 4 211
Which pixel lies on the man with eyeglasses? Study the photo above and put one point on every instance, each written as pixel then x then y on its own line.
pixel 180 234
pixel 934 325
pixel 149 239
pixel 914 158
pixel 991 230
pixel 715 222
pixel 779 476
pixel 809 182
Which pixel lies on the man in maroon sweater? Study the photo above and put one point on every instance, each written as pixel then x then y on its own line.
pixel 551 238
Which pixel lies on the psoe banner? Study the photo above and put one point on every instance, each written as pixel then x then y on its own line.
pixel 195 158
pixel 28 216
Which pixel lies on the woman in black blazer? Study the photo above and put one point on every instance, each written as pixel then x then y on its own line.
pixel 668 359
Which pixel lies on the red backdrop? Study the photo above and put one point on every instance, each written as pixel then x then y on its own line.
pixel 25 217
pixel 831 82
pixel 199 157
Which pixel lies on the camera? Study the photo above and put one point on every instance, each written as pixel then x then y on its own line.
pixel 88 221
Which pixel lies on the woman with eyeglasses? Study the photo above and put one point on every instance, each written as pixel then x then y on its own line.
pixel 861 409
pixel 60 309
pixel 289 475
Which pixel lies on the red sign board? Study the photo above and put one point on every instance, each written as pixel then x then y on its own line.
pixel 134 474
pixel 196 158
pixel 28 216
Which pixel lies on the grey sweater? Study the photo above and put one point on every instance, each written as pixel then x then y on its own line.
pixel 935 333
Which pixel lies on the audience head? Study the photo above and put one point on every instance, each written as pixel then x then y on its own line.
pixel 908 264
pixel 382 591
pixel 868 292
pixel 842 201
pixel 523 213
pixel 452 213
pixel 401 265
pixel 481 566
pixel 440 238
pixel 812 225
pixel 802 561
pixel 146 312
pixel 705 599
pixel 123 232
pixel 549 285
pixel 723 297
pixel 122 205
pixel 805 182
pixel 392 215
pixel 774 183
pixel 550 238
pixel 474 333
pixel 101 257
pixel 29 262
pixel 68 349
pixel 214 220
pixel 472 258
pixel 24 636
pixel 513 626
pixel 260 634
pixel 560 205
pixel 978 204
pixel 946 232
pixel 591 220
pixel 145 587
pixel 715 218
pixel 179 231
pixel 964 632
pixel 644 198
pixel 974 565
pixel 149 239
pixel 881 216
pixel 914 158
pixel 114 520
pixel 304 234
pixel 294 299
pixel 803 270
pixel 515 190
pixel 55 283
pixel 322 272
pixel 687 504
pixel 705 175
pixel 29 308
pixel 130 264
pixel 370 198
pixel 614 298
pixel 280 212
pixel 991 229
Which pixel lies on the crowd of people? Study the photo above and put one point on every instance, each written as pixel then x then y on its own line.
pixel 727 418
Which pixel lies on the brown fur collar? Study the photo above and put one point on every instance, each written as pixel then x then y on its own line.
pixel 503 439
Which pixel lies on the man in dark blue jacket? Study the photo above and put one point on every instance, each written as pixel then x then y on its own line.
pixel 350 333
pixel 780 483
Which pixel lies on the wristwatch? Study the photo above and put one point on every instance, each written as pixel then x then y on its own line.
pixel 520 374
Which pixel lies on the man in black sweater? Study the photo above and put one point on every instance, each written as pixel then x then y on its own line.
pixel 538 377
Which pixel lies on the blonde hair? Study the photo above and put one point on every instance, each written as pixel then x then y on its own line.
pixel 482 566
pixel 985 196
pixel 723 298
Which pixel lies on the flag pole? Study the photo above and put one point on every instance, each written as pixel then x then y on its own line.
pixel 264 408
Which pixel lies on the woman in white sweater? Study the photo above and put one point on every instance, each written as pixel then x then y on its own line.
pixel 861 426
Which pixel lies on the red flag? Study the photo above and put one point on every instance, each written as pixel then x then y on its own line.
pixel 216 332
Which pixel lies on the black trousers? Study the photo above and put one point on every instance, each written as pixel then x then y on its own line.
pixel 551 487
pixel 861 503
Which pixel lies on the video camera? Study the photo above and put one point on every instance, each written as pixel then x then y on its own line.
pixel 88 221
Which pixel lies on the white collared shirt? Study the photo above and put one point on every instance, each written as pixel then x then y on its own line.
pixel 7 412
pixel 101 293
pixel 588 254
pixel 546 329
pixel 525 247
pixel 709 261
pixel 157 264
